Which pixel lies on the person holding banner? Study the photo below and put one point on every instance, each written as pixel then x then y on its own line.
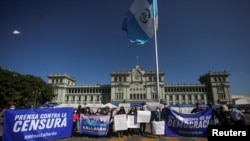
pixel 156 118
pixel 11 106
pixel 120 112
pixel 236 115
pixel 224 116
pixel 142 124
pixel 111 122
pixel 98 112
pixel 131 131
pixel 158 114
pixel 197 108
pixel 87 111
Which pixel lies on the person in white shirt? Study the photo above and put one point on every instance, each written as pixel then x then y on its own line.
pixel 237 116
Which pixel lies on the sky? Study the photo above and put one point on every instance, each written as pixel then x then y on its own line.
pixel 84 39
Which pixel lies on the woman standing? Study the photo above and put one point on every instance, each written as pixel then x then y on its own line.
pixel 120 112
pixel 76 118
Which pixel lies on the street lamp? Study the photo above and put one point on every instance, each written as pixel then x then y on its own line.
pixel 36 92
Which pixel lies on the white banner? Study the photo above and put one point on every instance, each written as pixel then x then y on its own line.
pixel 151 106
pixel 120 122
pixel 132 122
pixel 143 116
pixel 158 127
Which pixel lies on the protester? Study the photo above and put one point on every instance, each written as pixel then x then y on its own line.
pixel 111 122
pixel 11 106
pixel 98 112
pixel 224 116
pixel 236 115
pixel 92 112
pixel 216 113
pixel 197 108
pixel 143 124
pixel 155 116
pixel 120 112
pixel 158 114
pixel 76 118
pixel 80 110
pixel 105 111
pixel 87 111
pixel 46 106
pixel 131 131
pixel 163 111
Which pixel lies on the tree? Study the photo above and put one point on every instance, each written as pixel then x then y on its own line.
pixel 24 90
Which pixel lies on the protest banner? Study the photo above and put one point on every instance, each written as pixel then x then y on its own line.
pixel 37 124
pixel 120 122
pixel 132 122
pixel 158 127
pixel 143 116
pixel 188 125
pixel 94 125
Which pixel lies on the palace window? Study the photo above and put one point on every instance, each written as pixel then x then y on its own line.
pixel 119 96
pixel 220 89
pixel 183 97
pixel 170 97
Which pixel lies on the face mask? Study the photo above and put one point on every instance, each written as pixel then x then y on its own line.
pixel 99 110
pixel 158 110
pixel 75 111
pixel 12 108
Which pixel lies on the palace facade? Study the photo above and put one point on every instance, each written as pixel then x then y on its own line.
pixel 139 86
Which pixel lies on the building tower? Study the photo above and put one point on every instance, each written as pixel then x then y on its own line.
pixel 60 83
pixel 217 85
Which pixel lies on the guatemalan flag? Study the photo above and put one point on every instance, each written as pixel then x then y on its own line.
pixel 139 20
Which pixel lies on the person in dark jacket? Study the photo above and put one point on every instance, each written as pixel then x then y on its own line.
pixel 143 124
pixel 197 108
pixel 120 112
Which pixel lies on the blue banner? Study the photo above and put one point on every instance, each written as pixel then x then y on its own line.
pixel 94 125
pixel 37 124
pixel 188 125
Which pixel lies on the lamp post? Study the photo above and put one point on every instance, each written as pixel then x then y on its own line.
pixel 36 92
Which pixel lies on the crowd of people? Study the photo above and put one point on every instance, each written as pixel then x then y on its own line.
pixel 156 115
pixel 225 115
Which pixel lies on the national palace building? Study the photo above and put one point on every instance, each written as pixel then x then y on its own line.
pixel 139 86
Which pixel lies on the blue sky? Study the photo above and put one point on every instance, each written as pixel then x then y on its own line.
pixel 84 39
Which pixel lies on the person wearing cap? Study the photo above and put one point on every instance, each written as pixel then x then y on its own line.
pixel 236 115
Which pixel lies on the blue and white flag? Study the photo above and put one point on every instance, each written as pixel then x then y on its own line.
pixel 141 20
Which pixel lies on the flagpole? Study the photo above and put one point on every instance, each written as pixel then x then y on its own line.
pixel 156 56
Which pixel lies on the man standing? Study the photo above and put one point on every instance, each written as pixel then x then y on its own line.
pixel 197 108
pixel 237 116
